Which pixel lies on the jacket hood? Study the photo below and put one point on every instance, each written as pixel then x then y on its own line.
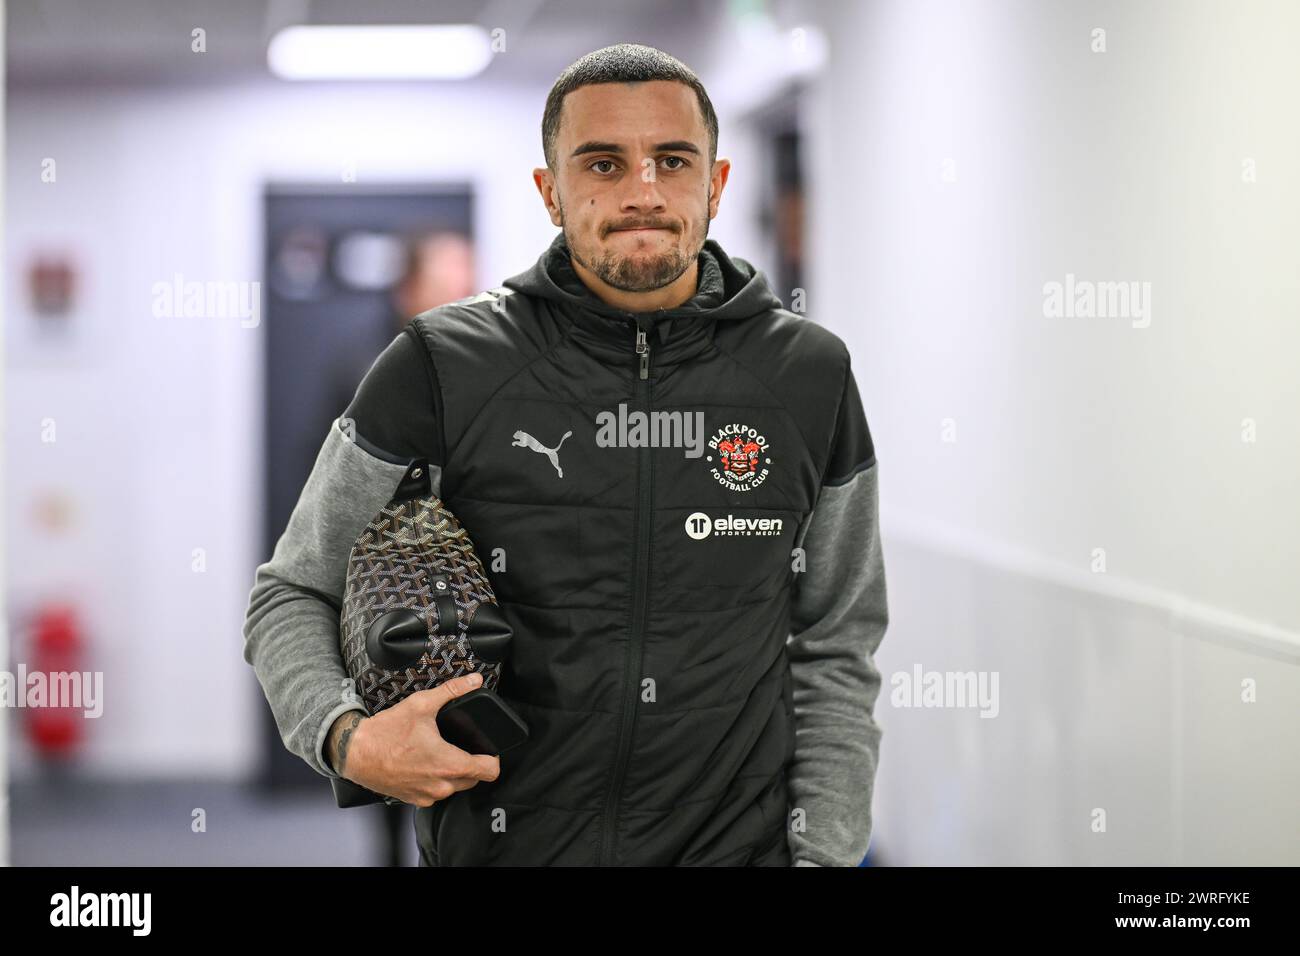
pixel 729 288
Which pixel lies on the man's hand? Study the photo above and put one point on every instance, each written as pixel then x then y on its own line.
pixel 399 751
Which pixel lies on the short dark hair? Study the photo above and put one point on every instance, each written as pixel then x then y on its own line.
pixel 623 63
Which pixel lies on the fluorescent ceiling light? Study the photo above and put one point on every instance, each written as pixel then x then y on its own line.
pixel 443 52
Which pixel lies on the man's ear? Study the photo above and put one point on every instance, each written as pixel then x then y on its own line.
pixel 545 183
pixel 721 170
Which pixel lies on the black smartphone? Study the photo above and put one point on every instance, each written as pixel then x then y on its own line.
pixel 479 722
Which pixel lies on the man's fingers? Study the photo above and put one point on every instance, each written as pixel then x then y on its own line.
pixel 476 766
pixel 479 768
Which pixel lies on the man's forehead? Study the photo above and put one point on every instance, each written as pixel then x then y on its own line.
pixel 654 109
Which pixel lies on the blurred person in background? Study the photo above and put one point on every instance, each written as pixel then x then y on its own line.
pixel 439 269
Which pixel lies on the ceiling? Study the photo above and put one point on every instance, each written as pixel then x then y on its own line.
pixel 147 42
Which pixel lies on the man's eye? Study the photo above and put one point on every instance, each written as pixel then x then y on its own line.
pixel 677 159
pixel 599 162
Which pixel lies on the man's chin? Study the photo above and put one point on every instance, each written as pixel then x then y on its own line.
pixel 644 279
pixel 636 284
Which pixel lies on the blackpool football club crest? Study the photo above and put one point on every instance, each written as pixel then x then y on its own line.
pixel 740 457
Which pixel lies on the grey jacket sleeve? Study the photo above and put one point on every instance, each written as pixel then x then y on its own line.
pixel 291 627
pixel 838 620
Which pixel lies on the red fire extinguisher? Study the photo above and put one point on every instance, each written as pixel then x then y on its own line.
pixel 56 727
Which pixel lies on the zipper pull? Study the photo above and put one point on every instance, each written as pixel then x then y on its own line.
pixel 643 350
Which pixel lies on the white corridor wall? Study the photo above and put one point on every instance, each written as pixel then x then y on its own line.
pixel 964 155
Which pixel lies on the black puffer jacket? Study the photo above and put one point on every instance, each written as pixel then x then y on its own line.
pixel 653 571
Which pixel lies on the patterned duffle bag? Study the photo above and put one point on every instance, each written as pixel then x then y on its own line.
pixel 419 610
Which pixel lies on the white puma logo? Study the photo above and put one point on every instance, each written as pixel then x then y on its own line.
pixel 525 440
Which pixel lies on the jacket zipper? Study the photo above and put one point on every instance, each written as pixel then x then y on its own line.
pixel 643 350
pixel 635 653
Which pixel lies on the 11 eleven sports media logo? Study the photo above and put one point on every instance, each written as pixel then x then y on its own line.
pixel 742 463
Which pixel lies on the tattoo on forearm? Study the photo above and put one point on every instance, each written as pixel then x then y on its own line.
pixel 348 725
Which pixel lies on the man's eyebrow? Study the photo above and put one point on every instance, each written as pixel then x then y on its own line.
pixel 672 146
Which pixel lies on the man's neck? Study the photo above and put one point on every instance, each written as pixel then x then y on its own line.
pixel 670 296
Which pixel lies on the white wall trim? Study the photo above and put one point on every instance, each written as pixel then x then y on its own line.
pixel 1186 616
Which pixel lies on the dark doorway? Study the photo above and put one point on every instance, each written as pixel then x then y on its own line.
pixel 334 260
pixel 781 215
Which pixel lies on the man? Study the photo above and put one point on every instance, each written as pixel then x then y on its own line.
pixel 672 485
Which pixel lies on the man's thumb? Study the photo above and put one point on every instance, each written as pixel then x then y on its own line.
pixel 436 697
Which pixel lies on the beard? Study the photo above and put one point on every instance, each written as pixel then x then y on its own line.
pixel 638 273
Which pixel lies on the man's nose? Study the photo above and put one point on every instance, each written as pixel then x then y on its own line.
pixel 643 189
